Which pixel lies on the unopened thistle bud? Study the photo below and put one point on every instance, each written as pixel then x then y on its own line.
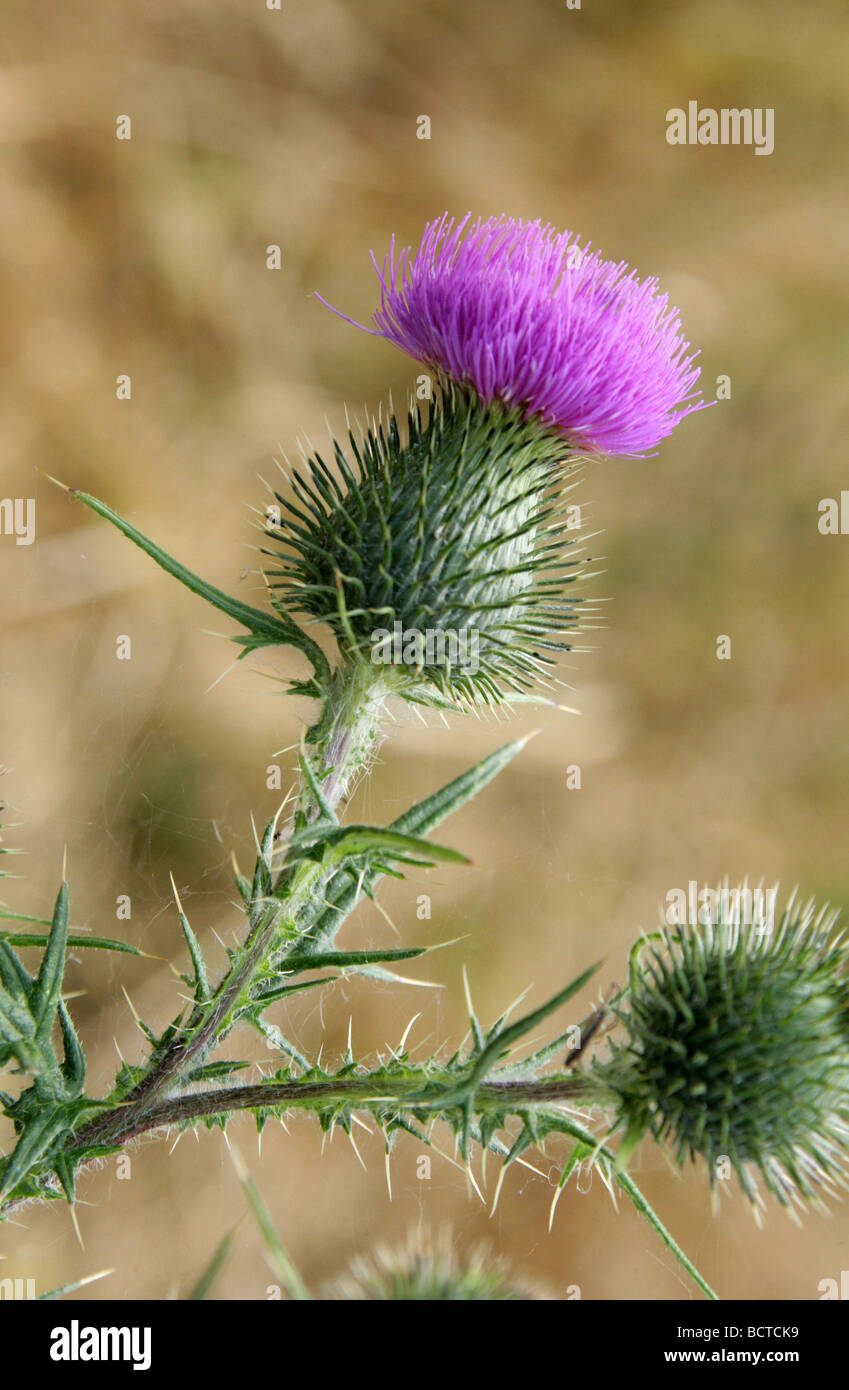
pixel 738 1049
pixel 445 559
pixel 429 1269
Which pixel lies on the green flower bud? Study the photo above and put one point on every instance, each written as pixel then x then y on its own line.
pixel 738 1048
pixel 444 559
pixel 429 1269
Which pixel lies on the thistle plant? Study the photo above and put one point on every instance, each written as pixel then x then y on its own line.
pixel 434 559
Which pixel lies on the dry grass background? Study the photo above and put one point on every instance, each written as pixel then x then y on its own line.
pixel 298 127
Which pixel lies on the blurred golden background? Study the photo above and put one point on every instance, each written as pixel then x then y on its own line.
pixel 253 127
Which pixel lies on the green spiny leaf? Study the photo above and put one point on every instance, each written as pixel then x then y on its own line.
pixel 350 960
pixel 201 977
pixel 264 629
pixel 504 1038
pixel 347 886
pixel 48 984
pixel 278 1256
pixel 76 940
pixel 73 1067
pixel 77 1284
pixel 266 994
pixel 213 1269
pixel 352 841
pixel 36 1140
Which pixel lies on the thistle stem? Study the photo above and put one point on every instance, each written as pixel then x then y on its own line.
pixel 342 743
pixel 350 724
pixel 129 1120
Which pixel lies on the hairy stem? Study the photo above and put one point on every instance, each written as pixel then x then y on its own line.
pixel 343 742
pixel 350 720
pixel 130 1120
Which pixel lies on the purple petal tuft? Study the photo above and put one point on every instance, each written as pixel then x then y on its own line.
pixel 525 315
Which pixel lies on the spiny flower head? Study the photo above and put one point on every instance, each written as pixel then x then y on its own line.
pixel 3 848
pixel 738 1048
pixel 430 1270
pixel 528 317
pixel 445 558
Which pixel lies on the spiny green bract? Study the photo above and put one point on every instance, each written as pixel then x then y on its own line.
pixel 460 532
pixel 738 1050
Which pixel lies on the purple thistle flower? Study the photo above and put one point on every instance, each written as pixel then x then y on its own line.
pixel 526 316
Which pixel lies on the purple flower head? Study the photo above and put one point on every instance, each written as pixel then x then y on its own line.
pixel 526 316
